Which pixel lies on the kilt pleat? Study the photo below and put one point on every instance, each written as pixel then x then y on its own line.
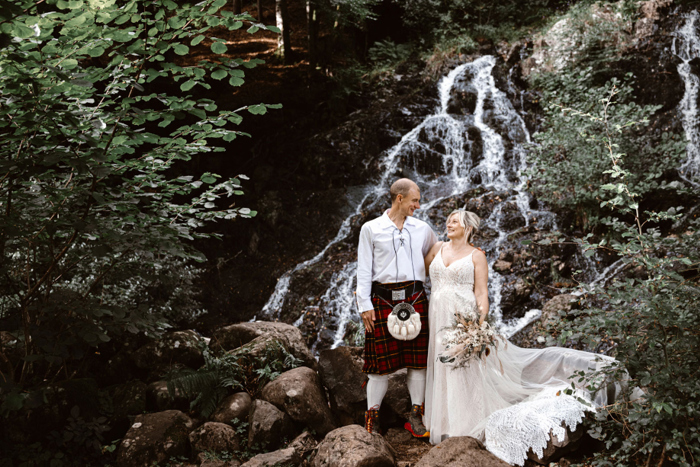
pixel 383 353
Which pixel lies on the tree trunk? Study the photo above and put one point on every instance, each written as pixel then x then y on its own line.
pixel 312 31
pixel 237 7
pixel 259 11
pixel 283 25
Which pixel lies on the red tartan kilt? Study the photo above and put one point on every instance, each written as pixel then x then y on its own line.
pixel 384 354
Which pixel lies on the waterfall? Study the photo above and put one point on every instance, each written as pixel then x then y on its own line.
pixel 686 46
pixel 473 140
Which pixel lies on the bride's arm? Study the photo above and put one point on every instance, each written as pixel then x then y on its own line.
pixel 481 279
pixel 431 256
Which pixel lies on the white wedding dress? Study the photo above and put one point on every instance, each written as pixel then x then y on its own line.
pixel 511 410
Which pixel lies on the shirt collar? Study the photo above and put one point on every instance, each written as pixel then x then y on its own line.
pixel 387 223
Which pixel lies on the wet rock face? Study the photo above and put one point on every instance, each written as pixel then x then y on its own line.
pixel 155 438
pixel 236 406
pixel 214 437
pixel 259 335
pixel 555 448
pixel 352 446
pixel 463 451
pixel 299 394
pixel 179 347
pixel 269 426
pixel 341 373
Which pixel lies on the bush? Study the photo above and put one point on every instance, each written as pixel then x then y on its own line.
pixel 99 106
pixel 567 172
pixel 649 317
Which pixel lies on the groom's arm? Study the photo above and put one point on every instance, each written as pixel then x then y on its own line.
pixel 363 294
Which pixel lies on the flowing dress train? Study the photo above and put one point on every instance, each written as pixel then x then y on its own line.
pixel 513 398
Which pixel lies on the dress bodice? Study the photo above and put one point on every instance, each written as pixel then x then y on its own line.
pixel 454 285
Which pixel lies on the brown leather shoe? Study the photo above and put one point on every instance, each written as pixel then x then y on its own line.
pixel 415 422
pixel 372 420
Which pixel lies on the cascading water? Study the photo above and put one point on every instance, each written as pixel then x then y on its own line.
pixel 474 140
pixel 686 46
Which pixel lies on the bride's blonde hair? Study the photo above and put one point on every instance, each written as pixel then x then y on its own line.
pixel 467 219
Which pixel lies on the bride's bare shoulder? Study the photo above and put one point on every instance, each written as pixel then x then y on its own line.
pixel 479 256
pixel 435 248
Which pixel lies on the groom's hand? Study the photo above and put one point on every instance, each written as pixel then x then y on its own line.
pixel 368 319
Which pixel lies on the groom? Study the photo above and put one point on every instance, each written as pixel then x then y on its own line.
pixel 391 270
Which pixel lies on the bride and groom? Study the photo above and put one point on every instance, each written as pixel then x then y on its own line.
pixel 395 254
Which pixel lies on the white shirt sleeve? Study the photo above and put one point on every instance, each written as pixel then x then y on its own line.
pixel 430 240
pixel 364 270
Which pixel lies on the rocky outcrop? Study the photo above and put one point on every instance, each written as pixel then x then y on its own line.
pixel 461 451
pixel 353 446
pixel 259 334
pixel 341 374
pixel 158 398
pixel 397 401
pixel 555 448
pixel 214 437
pixel 557 306
pixel 155 438
pixel 268 426
pixel 286 456
pixel 299 394
pixel 234 407
pixel 181 347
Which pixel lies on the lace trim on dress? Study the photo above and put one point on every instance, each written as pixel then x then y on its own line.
pixel 513 431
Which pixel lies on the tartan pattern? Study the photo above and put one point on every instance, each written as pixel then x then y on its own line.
pixel 384 354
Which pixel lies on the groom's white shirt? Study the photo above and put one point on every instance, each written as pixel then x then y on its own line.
pixel 387 254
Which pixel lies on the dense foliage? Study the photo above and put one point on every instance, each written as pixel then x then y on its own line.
pixel 567 172
pixel 99 100
pixel 224 372
pixel 650 315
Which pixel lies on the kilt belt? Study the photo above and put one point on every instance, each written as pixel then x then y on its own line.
pixel 383 354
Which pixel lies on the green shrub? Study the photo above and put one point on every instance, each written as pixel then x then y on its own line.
pixel 99 111
pixel 567 172
pixel 225 372
pixel 649 317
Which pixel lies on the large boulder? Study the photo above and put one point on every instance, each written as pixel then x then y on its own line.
pixel 259 334
pixel 214 437
pixel 397 401
pixel 179 347
pixel 460 451
pixel 269 426
pixel 556 448
pixel 353 446
pixel 557 306
pixel 158 398
pixel 287 456
pixel 155 438
pixel 304 444
pixel 299 393
pixel 235 406
pixel 341 373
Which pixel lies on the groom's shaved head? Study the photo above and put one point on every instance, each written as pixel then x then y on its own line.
pixel 401 187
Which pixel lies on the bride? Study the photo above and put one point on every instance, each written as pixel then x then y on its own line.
pixel 514 397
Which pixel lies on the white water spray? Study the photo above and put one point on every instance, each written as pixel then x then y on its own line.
pixel 447 154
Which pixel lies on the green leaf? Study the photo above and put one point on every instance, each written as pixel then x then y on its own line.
pixel 69 63
pixel 187 85
pixel 197 39
pixel 219 48
pixel 235 81
pixel 253 29
pixel 219 74
pixel 260 109
pixel 274 29
pixel 181 49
